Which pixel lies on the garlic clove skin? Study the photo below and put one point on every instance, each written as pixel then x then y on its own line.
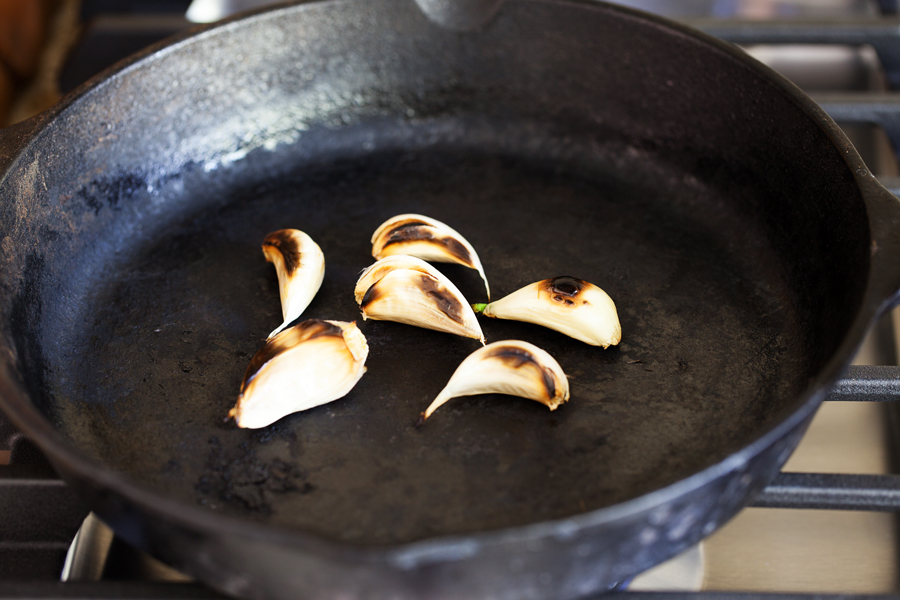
pixel 428 239
pixel 571 306
pixel 409 290
pixel 312 363
pixel 511 367
pixel 374 272
pixel 300 266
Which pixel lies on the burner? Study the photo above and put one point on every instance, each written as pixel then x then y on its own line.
pixel 97 554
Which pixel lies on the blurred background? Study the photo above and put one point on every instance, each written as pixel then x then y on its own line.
pixel 49 47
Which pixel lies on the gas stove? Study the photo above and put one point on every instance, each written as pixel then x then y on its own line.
pixel 824 528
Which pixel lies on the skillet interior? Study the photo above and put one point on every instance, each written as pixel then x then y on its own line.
pixel 735 278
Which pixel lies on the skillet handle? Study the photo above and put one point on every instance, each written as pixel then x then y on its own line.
pixel 884 221
pixel 14 138
pixel 460 15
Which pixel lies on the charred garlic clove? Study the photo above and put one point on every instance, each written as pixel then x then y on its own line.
pixel 374 272
pixel 408 290
pixel 428 239
pixel 300 265
pixel 312 363
pixel 509 367
pixel 571 306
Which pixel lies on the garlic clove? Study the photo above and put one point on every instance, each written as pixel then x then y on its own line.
pixel 510 367
pixel 374 272
pixel 307 365
pixel 409 290
pixel 571 306
pixel 300 266
pixel 428 239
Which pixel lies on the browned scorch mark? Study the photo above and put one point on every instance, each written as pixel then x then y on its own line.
pixel 287 339
pixel 287 245
pixel 518 358
pixel 565 289
pixel 443 298
pixel 418 231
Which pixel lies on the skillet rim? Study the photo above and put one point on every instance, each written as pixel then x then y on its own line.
pixel 16 405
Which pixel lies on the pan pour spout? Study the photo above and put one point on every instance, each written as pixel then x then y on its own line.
pixel 460 15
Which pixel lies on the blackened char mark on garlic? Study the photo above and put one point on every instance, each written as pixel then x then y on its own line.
pixel 429 286
pixel 373 294
pixel 286 340
pixel 517 358
pixel 285 243
pixel 565 289
pixel 448 304
pixel 408 224
pixel 417 231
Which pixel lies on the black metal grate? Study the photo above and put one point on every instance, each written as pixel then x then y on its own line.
pixel 40 516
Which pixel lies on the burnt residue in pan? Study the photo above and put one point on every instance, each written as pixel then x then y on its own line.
pixel 239 476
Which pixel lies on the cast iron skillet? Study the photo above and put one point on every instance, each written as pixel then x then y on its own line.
pixel 745 244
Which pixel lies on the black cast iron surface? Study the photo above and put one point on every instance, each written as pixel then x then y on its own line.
pixel 165 337
pixel 726 221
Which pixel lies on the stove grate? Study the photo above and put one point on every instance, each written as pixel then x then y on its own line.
pixel 41 516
